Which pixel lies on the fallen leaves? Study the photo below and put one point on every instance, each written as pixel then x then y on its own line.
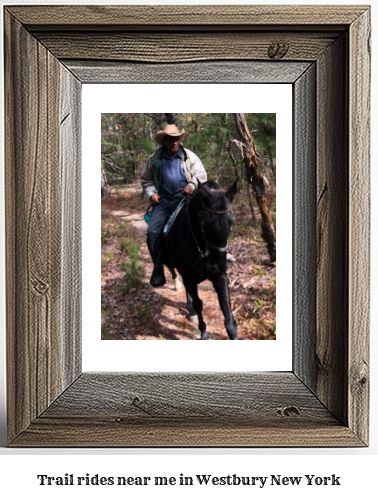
pixel 147 313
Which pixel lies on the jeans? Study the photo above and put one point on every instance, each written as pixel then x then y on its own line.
pixel 155 228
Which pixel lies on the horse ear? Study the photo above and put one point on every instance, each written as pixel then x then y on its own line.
pixel 202 189
pixel 231 193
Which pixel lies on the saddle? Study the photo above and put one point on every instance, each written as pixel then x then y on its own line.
pixel 175 207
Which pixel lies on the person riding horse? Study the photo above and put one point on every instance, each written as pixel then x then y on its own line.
pixel 170 169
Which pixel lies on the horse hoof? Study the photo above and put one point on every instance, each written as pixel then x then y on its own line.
pixel 192 319
pixel 157 278
pixel 205 336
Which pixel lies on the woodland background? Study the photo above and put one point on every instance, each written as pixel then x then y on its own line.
pixel 128 140
pixel 131 308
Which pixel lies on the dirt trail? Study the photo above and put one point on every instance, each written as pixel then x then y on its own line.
pixel 160 313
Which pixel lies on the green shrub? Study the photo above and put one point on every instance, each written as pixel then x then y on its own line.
pixel 134 275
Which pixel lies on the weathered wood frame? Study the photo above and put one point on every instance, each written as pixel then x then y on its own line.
pixel 49 53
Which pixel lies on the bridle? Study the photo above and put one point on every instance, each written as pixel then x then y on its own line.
pixel 214 212
pixel 208 244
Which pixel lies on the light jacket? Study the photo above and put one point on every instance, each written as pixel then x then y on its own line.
pixel 191 165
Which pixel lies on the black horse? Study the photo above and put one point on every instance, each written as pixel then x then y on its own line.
pixel 196 246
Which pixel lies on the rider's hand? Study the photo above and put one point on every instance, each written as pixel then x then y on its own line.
pixel 155 199
pixel 188 189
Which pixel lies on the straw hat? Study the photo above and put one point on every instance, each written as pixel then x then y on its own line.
pixel 170 130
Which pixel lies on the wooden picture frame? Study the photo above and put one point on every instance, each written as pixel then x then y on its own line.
pixel 324 51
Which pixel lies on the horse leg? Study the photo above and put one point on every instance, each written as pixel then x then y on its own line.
pixel 221 287
pixel 197 306
pixel 192 315
pixel 178 286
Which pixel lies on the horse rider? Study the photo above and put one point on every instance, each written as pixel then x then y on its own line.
pixel 170 169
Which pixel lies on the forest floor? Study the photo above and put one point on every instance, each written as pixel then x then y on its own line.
pixel 133 310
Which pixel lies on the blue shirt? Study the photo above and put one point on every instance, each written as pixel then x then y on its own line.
pixel 172 178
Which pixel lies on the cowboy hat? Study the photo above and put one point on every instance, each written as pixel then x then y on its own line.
pixel 170 130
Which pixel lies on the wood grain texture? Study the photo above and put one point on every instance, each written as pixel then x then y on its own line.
pixel 70 161
pixel 34 221
pixel 359 225
pixel 110 432
pixel 197 409
pixel 33 186
pixel 199 72
pixel 157 16
pixel 304 241
pixel 188 396
pixel 324 402
pixel 153 47
pixel 332 230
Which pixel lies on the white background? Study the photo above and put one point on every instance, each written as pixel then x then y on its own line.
pixel 356 467
pixel 155 355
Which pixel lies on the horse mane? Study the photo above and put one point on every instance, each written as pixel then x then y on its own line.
pixel 212 186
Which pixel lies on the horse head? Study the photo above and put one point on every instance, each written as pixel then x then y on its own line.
pixel 216 218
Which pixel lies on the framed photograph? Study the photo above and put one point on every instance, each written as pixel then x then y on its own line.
pixel 147 313
pixel 323 52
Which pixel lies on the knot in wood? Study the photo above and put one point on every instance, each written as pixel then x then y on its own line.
pixel 288 411
pixel 278 50
pixel 41 287
pixel 136 400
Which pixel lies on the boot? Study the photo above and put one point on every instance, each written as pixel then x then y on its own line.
pixel 157 277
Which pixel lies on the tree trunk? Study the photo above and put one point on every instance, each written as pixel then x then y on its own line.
pixel 254 220
pixel 271 162
pixel 254 177
pixel 104 183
